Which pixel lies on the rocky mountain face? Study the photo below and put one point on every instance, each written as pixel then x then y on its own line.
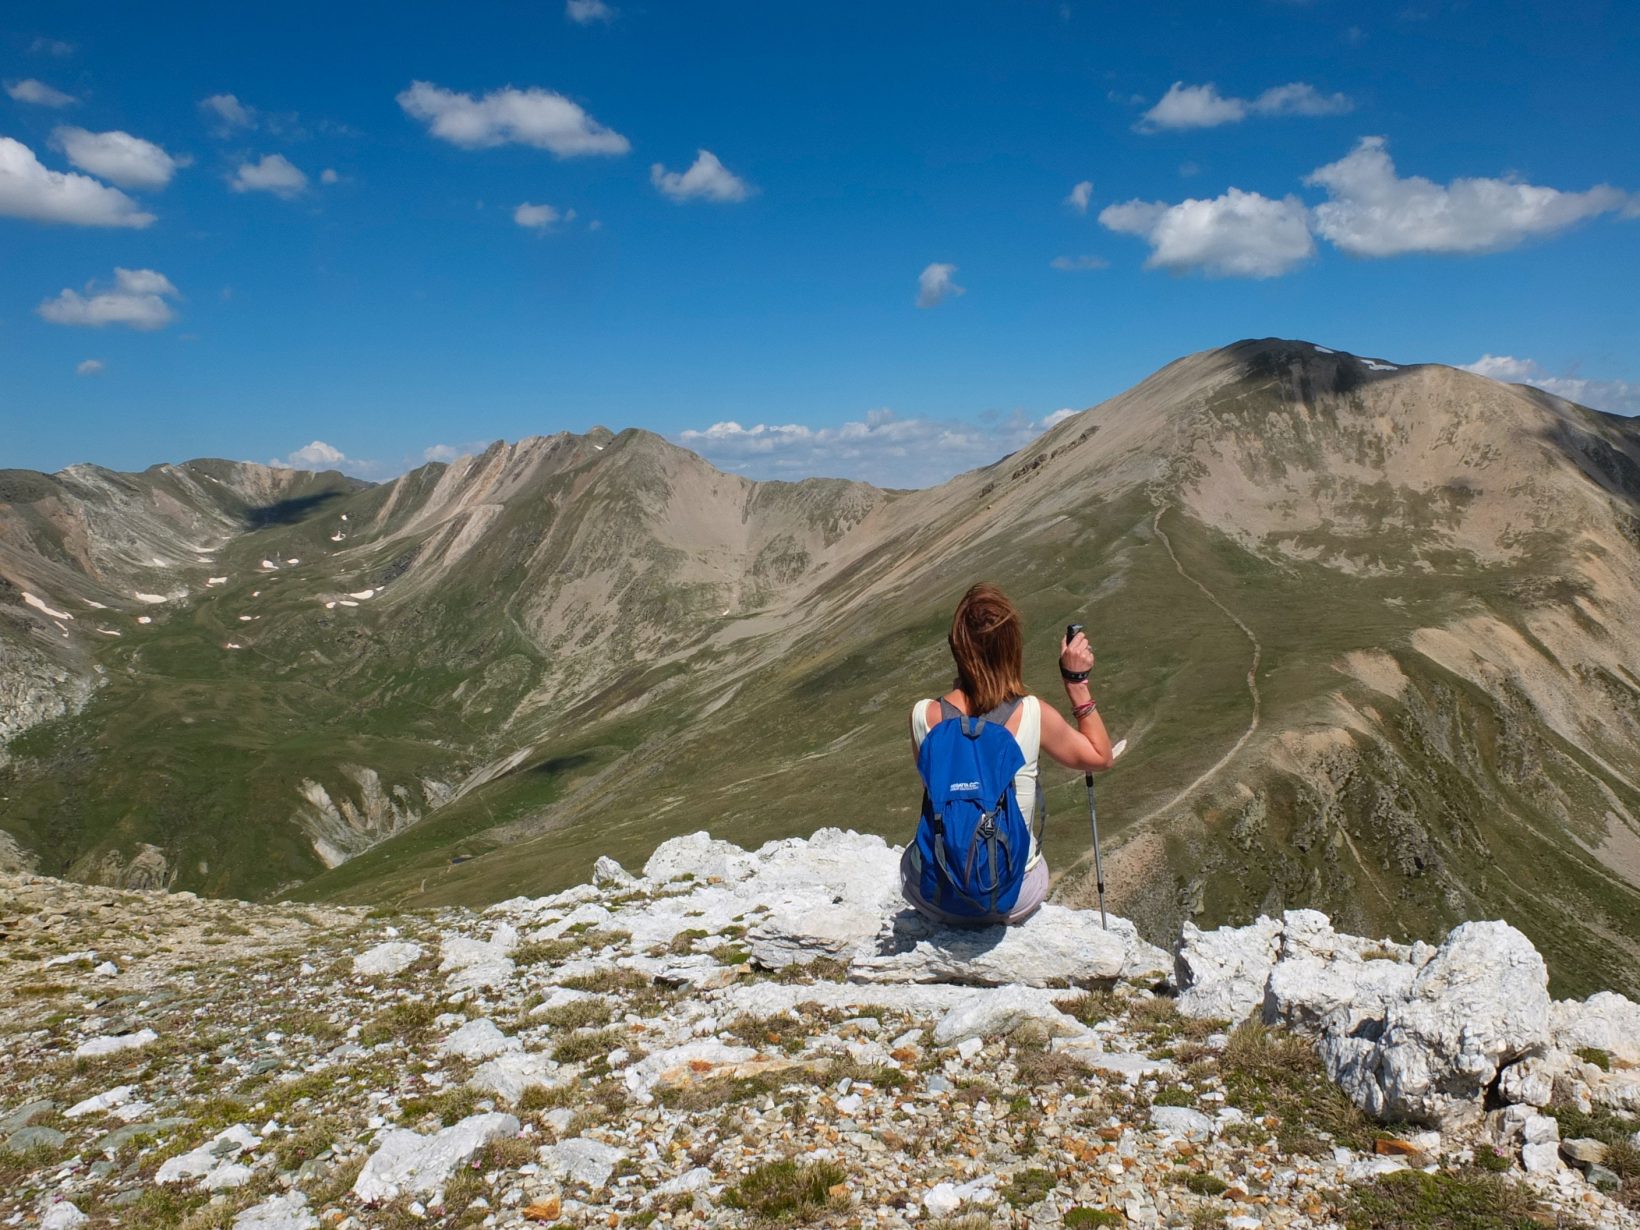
pixel 1362 624
pixel 738 1038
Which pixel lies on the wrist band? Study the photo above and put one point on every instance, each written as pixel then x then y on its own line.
pixel 1073 676
pixel 1082 711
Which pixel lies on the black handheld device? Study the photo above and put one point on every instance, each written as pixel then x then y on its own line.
pixel 1071 630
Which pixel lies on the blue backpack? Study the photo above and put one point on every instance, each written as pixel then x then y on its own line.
pixel 972 840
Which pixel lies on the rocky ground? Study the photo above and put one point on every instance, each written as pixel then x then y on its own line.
pixel 739 1039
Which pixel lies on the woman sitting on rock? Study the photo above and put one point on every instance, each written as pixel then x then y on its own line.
pixel 975 861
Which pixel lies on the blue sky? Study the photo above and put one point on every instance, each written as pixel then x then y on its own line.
pixel 863 262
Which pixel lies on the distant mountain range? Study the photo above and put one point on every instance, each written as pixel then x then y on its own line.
pixel 1369 629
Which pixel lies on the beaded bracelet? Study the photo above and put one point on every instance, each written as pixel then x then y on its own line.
pixel 1082 711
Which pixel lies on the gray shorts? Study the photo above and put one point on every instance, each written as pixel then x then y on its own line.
pixel 1031 895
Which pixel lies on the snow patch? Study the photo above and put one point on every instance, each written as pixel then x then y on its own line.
pixel 1372 365
pixel 39 605
pixel 293 561
pixel 363 594
pixel 209 581
pixel 95 605
pixel 144 619
pixel 270 565
pixel 1322 349
pixel 233 645
pixel 110 632
pixel 337 537
pixel 347 602
pixel 330 606
pixel 150 599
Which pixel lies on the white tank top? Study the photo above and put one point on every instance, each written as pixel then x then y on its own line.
pixel 1029 737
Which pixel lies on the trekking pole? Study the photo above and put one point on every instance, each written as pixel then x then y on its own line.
pixel 1093 820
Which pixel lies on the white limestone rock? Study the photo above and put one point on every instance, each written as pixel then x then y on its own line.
pixel 479 1039
pixel 697 855
pixel 1481 1003
pixel 1182 1121
pixel 1054 947
pixel 696 1180
pixel 385 960
pixel 472 964
pixel 995 1013
pixel 1340 993
pixel 212 1162
pixel 508 1076
pixel 62 1215
pixel 116 1097
pixel 1605 1021
pixel 693 1058
pixel 1531 1081
pixel 407 1163
pixel 581 1160
pixel 113 1044
pixel 607 873
pixel 285 1212
pixel 1222 974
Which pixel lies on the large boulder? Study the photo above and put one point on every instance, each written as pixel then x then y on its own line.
pixel 1222 974
pixel 1605 1021
pixel 998 1012
pixel 1054 947
pixel 1481 1003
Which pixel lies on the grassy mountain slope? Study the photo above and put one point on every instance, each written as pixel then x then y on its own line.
pixel 580 645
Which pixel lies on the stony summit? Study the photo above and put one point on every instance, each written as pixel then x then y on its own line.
pixel 739 1039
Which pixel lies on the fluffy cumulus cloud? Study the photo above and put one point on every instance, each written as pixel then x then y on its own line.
pixel 1078 264
pixel 707 179
pixel 30 190
pixel 1372 211
pixel 1080 195
pixel 89 367
pixel 38 93
pixel 227 114
pixel 138 299
pixel 535 117
pixel 881 448
pixel 274 173
pixel 315 456
pixel 1202 106
pixel 935 284
pixel 540 217
pixel 586 12
pixel 1614 396
pixel 117 157
pixel 1239 234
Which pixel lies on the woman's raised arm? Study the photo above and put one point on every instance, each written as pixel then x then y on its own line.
pixel 1085 746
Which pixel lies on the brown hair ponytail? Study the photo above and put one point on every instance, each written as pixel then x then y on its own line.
pixel 988 645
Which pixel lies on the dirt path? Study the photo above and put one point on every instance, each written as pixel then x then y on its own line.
pixel 1252 681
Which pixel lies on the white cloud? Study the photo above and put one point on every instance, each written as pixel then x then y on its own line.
pixel 1058 417
pixel 935 285
pixel 275 174
pixel 1373 212
pixel 1239 234
pixel 51 47
pixel 137 300
pixel 1613 396
pixel 882 448
pixel 1080 196
pixel 585 12
pixel 39 93
pixel 1202 106
pixel 539 217
pixel 329 176
pixel 452 452
pixel 30 190
pixel 534 117
pixel 89 367
pixel 1078 264
pixel 228 113
pixel 707 179
pixel 117 157
pixel 315 456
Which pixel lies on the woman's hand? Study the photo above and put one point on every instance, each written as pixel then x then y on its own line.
pixel 1075 654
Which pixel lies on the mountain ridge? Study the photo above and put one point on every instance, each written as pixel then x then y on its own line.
pixel 575 645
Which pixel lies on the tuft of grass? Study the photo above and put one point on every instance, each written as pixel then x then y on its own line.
pixel 580 1047
pixel 1027 1187
pixel 787 1190
pixel 537 952
pixel 1468 1199
pixel 683 942
pixel 1172 1095
pixel 304 1145
pixel 1593 1054
pixel 448 1106
pixel 1492 1160
pixel 578 1014
pixel 1272 1072
pixel 609 981
pixel 1082 1219
pixel 409 1021
pixel 1201 1183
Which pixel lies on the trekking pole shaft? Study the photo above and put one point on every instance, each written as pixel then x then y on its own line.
pixel 1098 862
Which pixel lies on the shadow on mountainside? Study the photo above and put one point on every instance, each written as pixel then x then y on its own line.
pixel 288 512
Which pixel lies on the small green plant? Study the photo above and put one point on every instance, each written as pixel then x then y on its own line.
pixel 448 1106
pixel 409 1021
pixel 1082 1219
pixel 730 954
pixel 1491 1160
pixel 1599 1058
pixel 684 941
pixel 1272 1072
pixel 1173 1096
pixel 581 1047
pixel 1027 1187
pixel 578 1014
pixel 1203 1184
pixel 788 1189
pixel 1467 1199
pixel 608 981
